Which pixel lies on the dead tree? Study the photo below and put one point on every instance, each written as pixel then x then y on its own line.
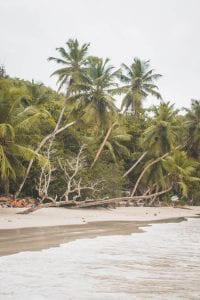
pixel 46 176
pixel 71 170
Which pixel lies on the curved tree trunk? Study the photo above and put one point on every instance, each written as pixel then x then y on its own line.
pixel 144 171
pixel 103 144
pixel 149 165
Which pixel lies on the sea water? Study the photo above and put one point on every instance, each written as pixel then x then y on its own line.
pixel 161 263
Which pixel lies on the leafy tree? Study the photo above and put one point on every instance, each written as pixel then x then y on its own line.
pixel 193 125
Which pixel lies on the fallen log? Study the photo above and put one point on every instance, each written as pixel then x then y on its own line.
pixel 94 202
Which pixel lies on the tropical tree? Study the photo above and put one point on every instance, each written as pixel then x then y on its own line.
pixel 95 100
pixel 12 156
pixel 162 134
pixel 181 171
pixel 15 124
pixel 73 61
pixel 193 126
pixel 160 138
pixel 116 143
pixel 139 82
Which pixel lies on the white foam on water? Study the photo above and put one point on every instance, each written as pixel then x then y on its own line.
pixel 162 263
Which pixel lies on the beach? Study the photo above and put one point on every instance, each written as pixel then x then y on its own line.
pixel 50 227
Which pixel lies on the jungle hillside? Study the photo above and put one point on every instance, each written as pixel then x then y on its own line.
pixel 94 138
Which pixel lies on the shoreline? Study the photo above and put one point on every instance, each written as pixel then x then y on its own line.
pixel 49 228
pixel 17 240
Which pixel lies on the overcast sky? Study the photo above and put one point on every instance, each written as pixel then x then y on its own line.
pixel 164 31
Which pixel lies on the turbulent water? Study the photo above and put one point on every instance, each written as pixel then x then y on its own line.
pixel 162 263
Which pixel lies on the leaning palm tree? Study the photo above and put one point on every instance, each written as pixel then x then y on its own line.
pixel 96 101
pixel 181 171
pixel 160 138
pixel 139 83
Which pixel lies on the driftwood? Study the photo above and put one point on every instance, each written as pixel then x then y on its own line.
pixel 96 202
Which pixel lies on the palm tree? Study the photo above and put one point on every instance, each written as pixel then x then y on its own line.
pixel 15 122
pixel 161 136
pixel 193 125
pixel 96 100
pixel 74 60
pixel 139 83
pixel 159 140
pixel 11 156
pixel 181 170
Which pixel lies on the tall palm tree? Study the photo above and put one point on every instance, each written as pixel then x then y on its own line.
pixel 193 125
pixel 96 100
pixel 139 83
pixel 74 60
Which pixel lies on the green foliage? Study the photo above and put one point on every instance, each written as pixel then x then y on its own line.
pixel 181 170
pixel 162 134
pixel 138 82
pixel 29 112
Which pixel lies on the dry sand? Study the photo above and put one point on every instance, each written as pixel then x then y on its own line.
pixel 50 227
pixel 62 216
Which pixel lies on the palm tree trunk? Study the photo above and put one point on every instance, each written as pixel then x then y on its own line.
pixel 103 144
pixel 135 164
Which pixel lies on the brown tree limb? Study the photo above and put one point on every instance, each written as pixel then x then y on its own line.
pixel 103 144
pixel 135 164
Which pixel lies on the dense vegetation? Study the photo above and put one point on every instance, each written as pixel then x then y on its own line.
pixel 76 143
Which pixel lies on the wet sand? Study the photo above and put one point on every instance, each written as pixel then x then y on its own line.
pixel 48 228
pixel 38 238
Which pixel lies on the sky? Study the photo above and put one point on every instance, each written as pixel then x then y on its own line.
pixel 166 32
